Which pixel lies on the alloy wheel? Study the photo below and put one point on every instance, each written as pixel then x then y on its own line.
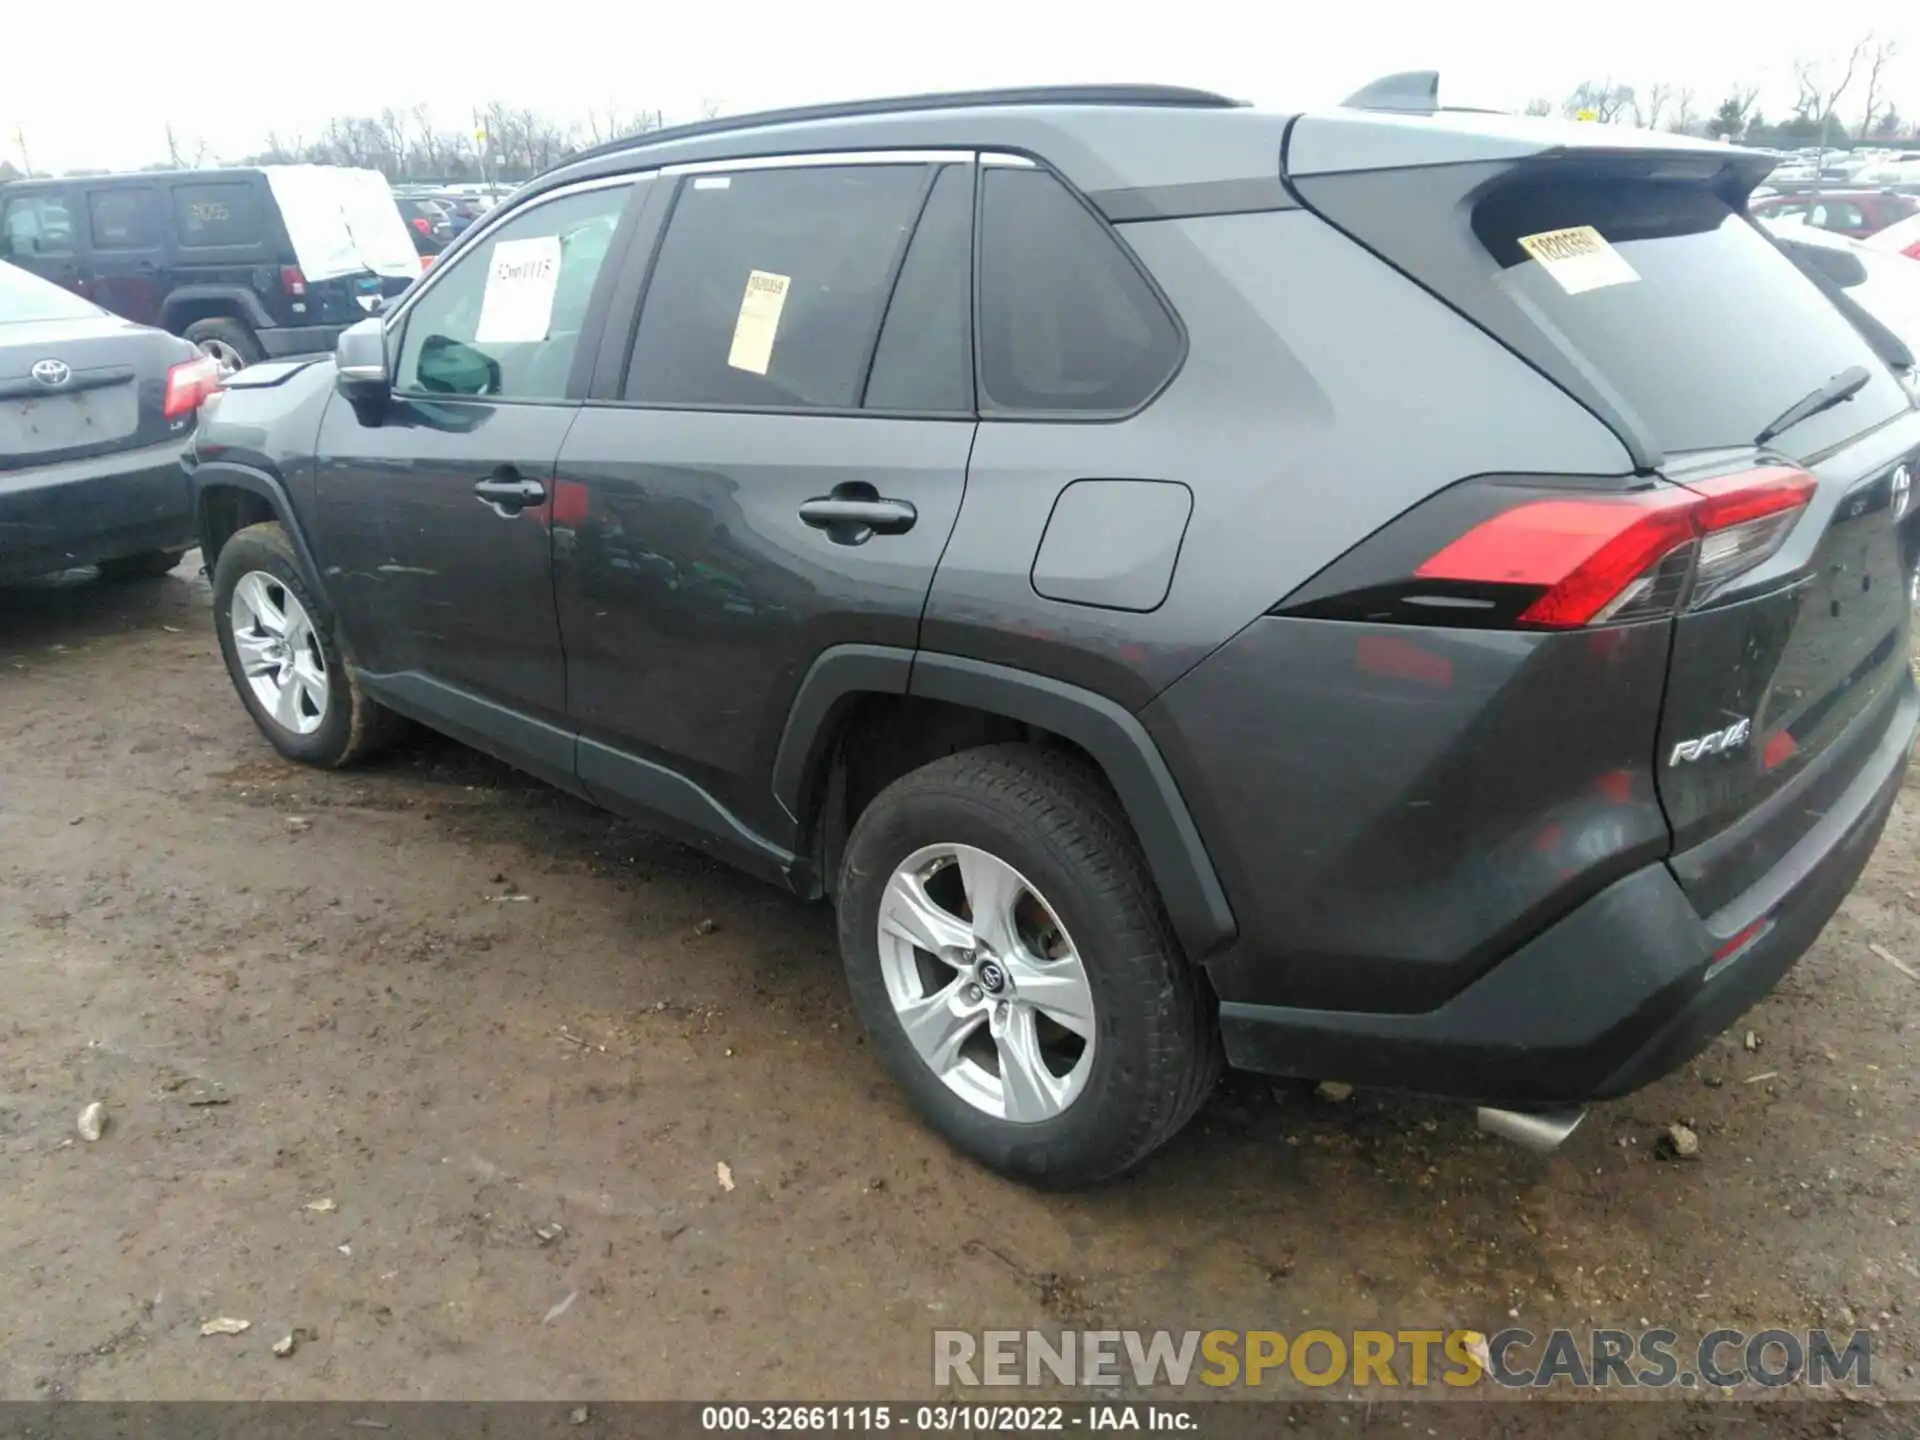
pixel 279 652
pixel 986 983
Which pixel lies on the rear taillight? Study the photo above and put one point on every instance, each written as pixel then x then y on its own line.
pixel 188 384
pixel 1521 555
pixel 420 223
pixel 292 281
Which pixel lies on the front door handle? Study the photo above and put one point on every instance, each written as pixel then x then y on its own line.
pixel 854 513
pixel 509 493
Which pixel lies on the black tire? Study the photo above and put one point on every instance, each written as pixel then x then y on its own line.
pixel 353 725
pixel 234 337
pixel 1156 1041
pixel 149 565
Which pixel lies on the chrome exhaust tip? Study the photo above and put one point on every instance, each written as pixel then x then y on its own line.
pixel 1540 1131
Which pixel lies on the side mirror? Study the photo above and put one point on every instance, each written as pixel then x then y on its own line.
pixel 360 363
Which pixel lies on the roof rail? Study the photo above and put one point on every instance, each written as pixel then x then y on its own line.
pixel 1168 95
pixel 1413 92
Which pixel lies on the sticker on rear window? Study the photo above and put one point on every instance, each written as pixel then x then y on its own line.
pixel 1579 259
pixel 759 321
pixel 522 276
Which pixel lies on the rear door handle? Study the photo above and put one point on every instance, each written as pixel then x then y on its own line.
pixel 509 493
pixel 854 514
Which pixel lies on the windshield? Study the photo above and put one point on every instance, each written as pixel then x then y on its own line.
pixel 1681 307
pixel 26 297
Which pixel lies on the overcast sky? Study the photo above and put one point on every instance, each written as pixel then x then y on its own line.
pixel 99 94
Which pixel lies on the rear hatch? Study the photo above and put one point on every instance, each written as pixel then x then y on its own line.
pixel 80 383
pixel 1636 280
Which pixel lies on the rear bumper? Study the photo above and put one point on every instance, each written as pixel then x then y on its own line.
pixel 1614 995
pixel 284 341
pixel 56 517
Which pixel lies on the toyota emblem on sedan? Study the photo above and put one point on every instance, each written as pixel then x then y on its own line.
pixel 51 373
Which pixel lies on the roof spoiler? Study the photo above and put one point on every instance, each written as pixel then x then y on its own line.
pixel 1410 92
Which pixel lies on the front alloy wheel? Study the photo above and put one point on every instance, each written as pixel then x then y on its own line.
pixel 279 652
pixel 987 983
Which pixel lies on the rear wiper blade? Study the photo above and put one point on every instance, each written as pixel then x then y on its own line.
pixel 1844 386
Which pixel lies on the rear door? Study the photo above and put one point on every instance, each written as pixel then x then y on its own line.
pixel 126 245
pixel 773 470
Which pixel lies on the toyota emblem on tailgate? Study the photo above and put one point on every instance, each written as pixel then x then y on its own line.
pixel 51 373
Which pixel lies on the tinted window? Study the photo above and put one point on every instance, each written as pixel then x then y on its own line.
pixel 26 297
pixel 1067 322
pixel 1837 215
pixel 770 284
pixel 37 225
pixel 218 213
pixel 505 318
pixel 1708 332
pixel 925 357
pixel 126 218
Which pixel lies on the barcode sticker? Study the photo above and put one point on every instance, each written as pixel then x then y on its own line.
pixel 1579 259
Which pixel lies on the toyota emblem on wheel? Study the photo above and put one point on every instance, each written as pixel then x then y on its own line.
pixel 992 978
pixel 51 374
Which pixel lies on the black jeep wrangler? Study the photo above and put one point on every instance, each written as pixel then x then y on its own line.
pixel 247 264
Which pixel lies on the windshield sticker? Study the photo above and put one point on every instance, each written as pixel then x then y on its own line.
pixel 713 182
pixel 1579 259
pixel 521 279
pixel 759 321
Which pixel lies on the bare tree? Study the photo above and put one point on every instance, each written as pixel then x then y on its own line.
pixel 1880 55
pixel 1732 118
pixel 1604 100
pixel 1684 121
pixel 1539 105
pixel 1647 113
pixel 190 154
pixel 1819 92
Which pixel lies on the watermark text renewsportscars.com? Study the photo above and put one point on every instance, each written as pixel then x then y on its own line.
pixel 1405 1359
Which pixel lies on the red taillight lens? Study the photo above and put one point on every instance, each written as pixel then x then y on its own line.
pixel 420 224
pixel 292 281
pixel 1526 554
pixel 188 384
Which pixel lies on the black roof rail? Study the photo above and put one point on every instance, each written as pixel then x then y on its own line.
pixel 1168 95
pixel 1411 92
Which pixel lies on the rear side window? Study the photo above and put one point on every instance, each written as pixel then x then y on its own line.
pixel 1690 315
pixel 126 218
pixel 925 358
pixel 36 225
pixel 769 287
pixel 220 213
pixel 1067 321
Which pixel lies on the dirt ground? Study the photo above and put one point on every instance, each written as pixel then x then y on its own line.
pixel 460 1006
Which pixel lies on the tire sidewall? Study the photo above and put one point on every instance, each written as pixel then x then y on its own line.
pixel 242 555
pixel 1100 1117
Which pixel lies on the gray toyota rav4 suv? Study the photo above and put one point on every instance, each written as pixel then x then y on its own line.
pixel 1391 594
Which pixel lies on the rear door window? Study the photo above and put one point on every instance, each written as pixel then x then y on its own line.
pixel 128 217
pixel 1684 309
pixel 217 213
pixel 924 361
pixel 1067 321
pixel 769 286
pixel 37 225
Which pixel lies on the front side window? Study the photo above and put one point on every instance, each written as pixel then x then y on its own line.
pixel 504 321
pixel 770 285
pixel 127 218
pixel 1067 321
pixel 37 225
pixel 215 213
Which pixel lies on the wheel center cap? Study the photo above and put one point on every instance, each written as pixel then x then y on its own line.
pixel 993 978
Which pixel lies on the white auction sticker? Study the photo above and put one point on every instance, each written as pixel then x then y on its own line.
pixel 1579 259
pixel 759 322
pixel 521 279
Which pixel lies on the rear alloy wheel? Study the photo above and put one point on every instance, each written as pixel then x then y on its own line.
pixel 1008 953
pixel 232 345
pixel 277 639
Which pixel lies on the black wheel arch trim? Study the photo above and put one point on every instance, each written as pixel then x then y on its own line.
pixel 1189 885
pixel 210 475
pixel 254 313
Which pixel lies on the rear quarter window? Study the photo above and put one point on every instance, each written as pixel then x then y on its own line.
pixel 1707 333
pixel 218 214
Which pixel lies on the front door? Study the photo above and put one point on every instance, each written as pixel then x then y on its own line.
pixel 434 513
pixel 775 472
pixel 126 236
pixel 37 233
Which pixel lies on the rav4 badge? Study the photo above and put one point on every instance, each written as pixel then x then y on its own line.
pixel 1714 742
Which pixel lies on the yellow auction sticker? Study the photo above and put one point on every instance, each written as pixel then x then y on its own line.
pixel 1579 259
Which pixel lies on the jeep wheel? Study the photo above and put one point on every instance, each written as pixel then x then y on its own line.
pixel 147 566
pixel 277 639
pixel 1006 948
pixel 231 343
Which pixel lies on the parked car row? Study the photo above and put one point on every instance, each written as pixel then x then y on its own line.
pixel 1432 613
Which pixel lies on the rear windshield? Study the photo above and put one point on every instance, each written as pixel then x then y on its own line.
pixel 1683 308
pixel 27 297
pixel 221 213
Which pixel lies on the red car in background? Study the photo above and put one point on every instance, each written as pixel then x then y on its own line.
pixel 1854 213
